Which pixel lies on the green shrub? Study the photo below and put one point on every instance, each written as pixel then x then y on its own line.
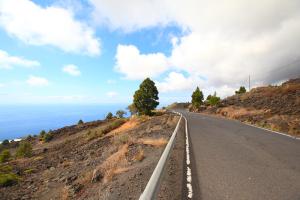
pixel 6 175
pixel 12 141
pixel 109 116
pixel 214 100
pixel 28 137
pixel 163 108
pixel 47 137
pixel 42 133
pixel 5 142
pixel 207 101
pixel 242 90
pixel 105 129
pixel 50 130
pixel 25 150
pixel 121 113
pixel 114 117
pixel 88 133
pixel 34 135
pixel 80 122
pixel 66 141
pixel 5 156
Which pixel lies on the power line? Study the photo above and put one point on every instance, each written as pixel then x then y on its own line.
pixel 276 69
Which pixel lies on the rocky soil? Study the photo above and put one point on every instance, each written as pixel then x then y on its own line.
pixel 276 108
pixel 109 167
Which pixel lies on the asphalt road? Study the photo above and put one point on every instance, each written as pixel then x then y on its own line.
pixel 232 160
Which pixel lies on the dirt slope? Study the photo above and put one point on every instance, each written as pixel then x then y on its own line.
pixel 277 108
pixel 65 170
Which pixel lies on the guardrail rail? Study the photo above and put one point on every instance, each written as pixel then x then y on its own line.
pixel 153 186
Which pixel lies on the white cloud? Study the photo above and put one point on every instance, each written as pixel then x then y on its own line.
pixel 37 81
pixel 1 85
pixel 112 94
pixel 52 25
pixel 71 69
pixel 226 41
pixel 137 66
pixel 111 81
pixel 177 82
pixel 7 61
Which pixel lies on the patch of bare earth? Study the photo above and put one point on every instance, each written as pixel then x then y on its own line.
pixel 115 166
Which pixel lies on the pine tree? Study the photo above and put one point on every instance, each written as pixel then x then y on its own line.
pixel 197 97
pixel 145 99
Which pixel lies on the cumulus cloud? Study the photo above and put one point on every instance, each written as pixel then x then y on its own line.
pixel 177 82
pixel 112 94
pixel 111 81
pixel 37 81
pixel 52 25
pixel 6 61
pixel 71 69
pixel 139 66
pixel 224 41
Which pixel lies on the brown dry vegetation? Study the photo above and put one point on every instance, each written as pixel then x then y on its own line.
pixel 65 170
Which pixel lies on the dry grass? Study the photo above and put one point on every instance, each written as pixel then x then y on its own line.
pixel 86 180
pixel 115 164
pixel 66 164
pixel 274 127
pixel 143 119
pixel 106 129
pixel 245 96
pixel 154 142
pixel 234 112
pixel 123 138
pixel 298 99
pixel 38 158
pixel 291 89
pixel 141 156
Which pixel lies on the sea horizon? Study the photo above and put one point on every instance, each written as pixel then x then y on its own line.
pixel 21 120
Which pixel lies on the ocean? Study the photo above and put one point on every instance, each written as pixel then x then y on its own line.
pixel 22 120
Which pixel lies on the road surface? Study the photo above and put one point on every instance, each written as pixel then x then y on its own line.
pixel 233 160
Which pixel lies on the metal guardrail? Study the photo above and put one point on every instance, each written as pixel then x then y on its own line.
pixel 153 186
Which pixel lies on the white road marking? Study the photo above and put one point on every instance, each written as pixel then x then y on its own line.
pixel 275 132
pixel 188 162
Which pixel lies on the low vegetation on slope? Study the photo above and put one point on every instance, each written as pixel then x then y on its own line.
pixel 273 107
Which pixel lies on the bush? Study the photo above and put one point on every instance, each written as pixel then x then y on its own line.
pixel 207 101
pixel 120 113
pixel 50 130
pixel 88 133
pixel 47 137
pixel 6 175
pixel 42 133
pixel 163 108
pixel 214 100
pixel 242 90
pixel 105 129
pixel 5 156
pixel 34 135
pixel 143 118
pixel 5 142
pixel 80 122
pixel 66 141
pixel 25 150
pixel 109 116
pixel 114 117
pixel 28 137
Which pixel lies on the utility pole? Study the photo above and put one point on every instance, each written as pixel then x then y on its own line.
pixel 249 83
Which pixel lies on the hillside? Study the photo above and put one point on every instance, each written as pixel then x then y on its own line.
pixel 178 106
pixel 275 107
pixel 113 165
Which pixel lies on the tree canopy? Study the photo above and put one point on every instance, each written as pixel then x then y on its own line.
pixel 197 97
pixel 214 100
pixel 120 113
pixel 242 90
pixel 145 99
pixel 132 109
pixel 109 115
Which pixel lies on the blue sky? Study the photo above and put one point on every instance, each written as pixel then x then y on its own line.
pixel 97 51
